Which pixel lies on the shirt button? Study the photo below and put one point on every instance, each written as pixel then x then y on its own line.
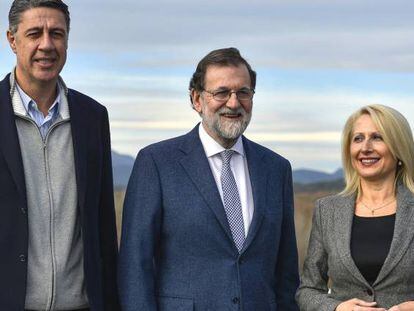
pixel 235 300
pixel 369 292
pixel 22 258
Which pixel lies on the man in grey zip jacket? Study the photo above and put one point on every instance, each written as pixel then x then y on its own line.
pixel 57 223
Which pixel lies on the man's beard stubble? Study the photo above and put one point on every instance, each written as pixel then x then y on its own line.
pixel 228 129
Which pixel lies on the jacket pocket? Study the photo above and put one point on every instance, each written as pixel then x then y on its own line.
pixel 167 303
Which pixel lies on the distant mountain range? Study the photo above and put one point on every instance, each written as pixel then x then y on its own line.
pixel 307 176
pixel 122 167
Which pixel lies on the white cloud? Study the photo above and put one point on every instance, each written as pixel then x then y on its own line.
pixel 136 57
pixel 288 34
pixel 361 34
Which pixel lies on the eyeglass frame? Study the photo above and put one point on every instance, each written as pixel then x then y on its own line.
pixel 230 92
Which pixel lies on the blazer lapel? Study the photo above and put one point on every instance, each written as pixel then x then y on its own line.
pixel 79 126
pixel 403 232
pixel 258 179
pixel 195 163
pixel 343 217
pixel 9 140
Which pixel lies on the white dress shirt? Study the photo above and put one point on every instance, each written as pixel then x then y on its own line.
pixel 238 164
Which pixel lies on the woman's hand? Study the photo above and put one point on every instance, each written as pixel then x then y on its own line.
pixel 405 306
pixel 359 305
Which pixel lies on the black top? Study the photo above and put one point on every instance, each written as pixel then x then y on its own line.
pixel 370 242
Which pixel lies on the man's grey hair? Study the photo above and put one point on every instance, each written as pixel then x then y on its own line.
pixel 18 7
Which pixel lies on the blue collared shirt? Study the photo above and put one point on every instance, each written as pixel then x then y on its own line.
pixel 42 122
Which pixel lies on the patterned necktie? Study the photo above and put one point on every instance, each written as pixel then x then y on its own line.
pixel 231 199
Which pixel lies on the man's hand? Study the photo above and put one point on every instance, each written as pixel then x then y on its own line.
pixel 359 305
pixel 405 306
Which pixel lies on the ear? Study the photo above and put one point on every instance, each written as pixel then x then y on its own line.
pixel 197 100
pixel 12 41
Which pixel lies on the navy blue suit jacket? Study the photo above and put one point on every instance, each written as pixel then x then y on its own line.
pixel 90 134
pixel 177 251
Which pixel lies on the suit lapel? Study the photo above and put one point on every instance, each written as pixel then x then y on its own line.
pixel 342 218
pixel 403 231
pixel 258 179
pixel 9 140
pixel 195 163
pixel 79 126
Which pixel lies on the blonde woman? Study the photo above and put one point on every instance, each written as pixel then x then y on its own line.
pixel 362 239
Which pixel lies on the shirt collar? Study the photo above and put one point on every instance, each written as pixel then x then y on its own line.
pixel 212 147
pixel 29 103
pixel 19 108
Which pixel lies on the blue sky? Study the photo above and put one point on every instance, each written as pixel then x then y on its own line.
pixel 317 62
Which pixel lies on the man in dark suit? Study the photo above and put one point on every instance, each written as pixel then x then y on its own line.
pixel 57 224
pixel 208 216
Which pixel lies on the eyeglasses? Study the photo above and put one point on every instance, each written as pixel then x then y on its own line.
pixel 224 95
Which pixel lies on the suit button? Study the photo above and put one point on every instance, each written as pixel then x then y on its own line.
pixel 235 300
pixel 22 258
pixel 23 211
pixel 369 292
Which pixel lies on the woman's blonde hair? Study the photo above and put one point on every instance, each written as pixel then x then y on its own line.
pixel 398 137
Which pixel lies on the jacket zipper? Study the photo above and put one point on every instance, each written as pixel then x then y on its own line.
pixel 51 301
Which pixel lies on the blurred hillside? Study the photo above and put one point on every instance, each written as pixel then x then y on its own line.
pixel 307 176
pixel 305 197
pixel 122 167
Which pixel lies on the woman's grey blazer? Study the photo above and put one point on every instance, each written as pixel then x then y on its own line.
pixel 329 257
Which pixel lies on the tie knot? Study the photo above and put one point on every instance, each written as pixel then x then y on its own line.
pixel 226 156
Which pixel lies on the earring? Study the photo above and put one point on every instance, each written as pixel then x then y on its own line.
pixel 399 163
